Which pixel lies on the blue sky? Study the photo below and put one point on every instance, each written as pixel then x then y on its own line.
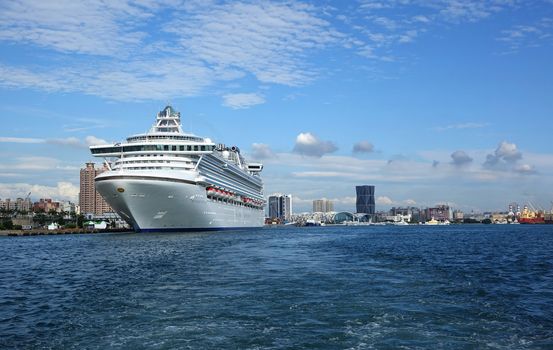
pixel 432 101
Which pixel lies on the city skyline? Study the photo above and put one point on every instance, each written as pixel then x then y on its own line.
pixel 431 102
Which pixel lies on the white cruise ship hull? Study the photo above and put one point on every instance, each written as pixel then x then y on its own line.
pixel 169 204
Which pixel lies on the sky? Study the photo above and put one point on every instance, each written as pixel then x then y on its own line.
pixel 436 101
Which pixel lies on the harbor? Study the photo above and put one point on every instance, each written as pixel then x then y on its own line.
pixel 46 232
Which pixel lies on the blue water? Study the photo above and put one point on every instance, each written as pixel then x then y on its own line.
pixel 456 287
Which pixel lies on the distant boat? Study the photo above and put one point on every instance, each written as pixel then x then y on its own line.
pixel 401 223
pixel 432 222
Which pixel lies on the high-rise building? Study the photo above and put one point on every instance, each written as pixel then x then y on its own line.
pixel 90 201
pixel 323 206
pixel 280 207
pixel 365 199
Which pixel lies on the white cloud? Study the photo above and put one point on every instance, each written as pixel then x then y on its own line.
pixel 69 141
pixel 262 151
pixel 92 27
pixel 471 10
pixel 521 36
pixel 408 181
pixel 525 169
pixel 62 191
pixel 242 101
pixel 20 140
pixel 505 153
pixel 363 147
pixel 469 125
pixel 262 38
pixel 387 24
pixel 383 200
pixel 93 141
pixel 308 144
pixel 208 43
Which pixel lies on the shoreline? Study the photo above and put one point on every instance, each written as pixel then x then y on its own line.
pixel 46 232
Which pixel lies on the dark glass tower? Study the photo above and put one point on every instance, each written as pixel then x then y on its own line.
pixel 365 199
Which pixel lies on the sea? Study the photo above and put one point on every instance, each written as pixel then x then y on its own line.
pixel 365 287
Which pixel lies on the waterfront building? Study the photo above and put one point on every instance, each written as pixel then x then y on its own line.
pixel 440 212
pixel 280 207
pixel 46 205
pixel 365 202
pixel 458 216
pixel 67 207
pixel 6 204
pixel 23 204
pixel 323 205
pixel 90 201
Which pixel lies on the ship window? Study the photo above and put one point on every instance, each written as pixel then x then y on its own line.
pixel 174 148
pixel 189 148
pixel 181 148
pixel 203 148
pixel 165 147
pixel 195 148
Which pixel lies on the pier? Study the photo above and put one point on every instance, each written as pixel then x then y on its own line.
pixel 46 232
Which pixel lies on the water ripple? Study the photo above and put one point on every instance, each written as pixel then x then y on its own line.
pixel 486 287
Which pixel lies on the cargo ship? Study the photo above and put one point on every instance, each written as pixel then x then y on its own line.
pixel 529 216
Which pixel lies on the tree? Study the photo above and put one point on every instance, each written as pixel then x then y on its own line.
pixel 8 224
pixel 40 218
pixel 80 220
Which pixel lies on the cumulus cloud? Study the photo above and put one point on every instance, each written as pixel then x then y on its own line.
pixel 460 158
pixel 363 147
pixel 262 151
pixel 383 200
pixel 308 144
pixel 62 191
pixel 93 141
pixel 525 169
pixel 242 101
pixel 505 153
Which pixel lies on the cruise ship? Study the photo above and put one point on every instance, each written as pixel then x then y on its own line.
pixel 170 180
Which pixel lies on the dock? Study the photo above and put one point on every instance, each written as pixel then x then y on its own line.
pixel 46 232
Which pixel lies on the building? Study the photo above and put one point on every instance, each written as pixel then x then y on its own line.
pixel 90 201
pixel 67 207
pixel 280 207
pixel 412 213
pixel 458 216
pixel 440 212
pixel 365 200
pixel 6 204
pixel 23 204
pixel 46 205
pixel 323 206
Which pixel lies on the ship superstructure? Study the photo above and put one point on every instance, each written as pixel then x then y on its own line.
pixel 167 179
